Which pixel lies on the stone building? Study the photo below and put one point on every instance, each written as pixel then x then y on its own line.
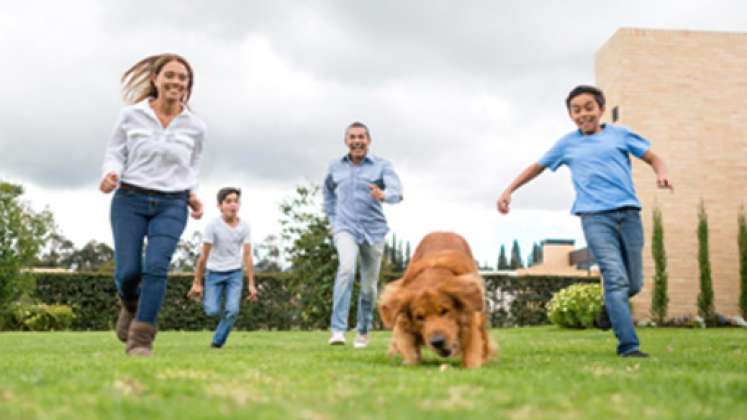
pixel 685 91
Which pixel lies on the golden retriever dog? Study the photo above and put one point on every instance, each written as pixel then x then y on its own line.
pixel 439 302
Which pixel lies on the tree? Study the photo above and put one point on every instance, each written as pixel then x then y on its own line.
pixel 705 298
pixel 659 296
pixel 23 233
pixel 502 260
pixel 535 257
pixel 268 255
pixel 408 254
pixel 311 253
pixel 186 254
pixel 742 235
pixel 56 252
pixel 94 256
pixel 516 261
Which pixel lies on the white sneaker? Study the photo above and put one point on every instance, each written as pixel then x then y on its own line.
pixel 337 339
pixel 361 342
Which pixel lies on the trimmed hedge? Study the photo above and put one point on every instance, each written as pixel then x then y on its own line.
pixel 512 301
pixel 519 301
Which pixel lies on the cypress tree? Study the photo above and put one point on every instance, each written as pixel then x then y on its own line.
pixel 659 296
pixel 705 298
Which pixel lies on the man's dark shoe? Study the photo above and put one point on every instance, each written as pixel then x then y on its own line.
pixel 636 353
pixel 603 319
pixel 215 346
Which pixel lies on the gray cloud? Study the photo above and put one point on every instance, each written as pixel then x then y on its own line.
pixel 463 95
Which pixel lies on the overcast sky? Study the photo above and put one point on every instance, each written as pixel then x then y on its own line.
pixel 460 96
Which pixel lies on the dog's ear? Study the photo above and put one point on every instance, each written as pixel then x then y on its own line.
pixel 394 299
pixel 468 290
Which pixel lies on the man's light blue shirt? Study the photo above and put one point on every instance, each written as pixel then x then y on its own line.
pixel 600 167
pixel 347 197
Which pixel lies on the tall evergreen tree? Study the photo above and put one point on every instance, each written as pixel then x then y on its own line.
pixel 408 253
pixel 659 296
pixel 502 259
pixel 742 222
pixel 516 261
pixel 705 297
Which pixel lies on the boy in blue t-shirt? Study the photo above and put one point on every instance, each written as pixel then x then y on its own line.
pixel 598 156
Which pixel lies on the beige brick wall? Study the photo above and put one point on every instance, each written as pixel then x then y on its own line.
pixel 685 91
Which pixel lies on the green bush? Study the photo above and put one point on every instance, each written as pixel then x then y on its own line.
pixel 40 317
pixel 576 306
pixel 282 305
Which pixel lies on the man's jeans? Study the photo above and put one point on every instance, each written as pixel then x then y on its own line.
pixel 615 239
pixel 348 252
pixel 216 284
pixel 135 216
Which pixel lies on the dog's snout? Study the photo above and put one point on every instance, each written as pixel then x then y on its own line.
pixel 438 341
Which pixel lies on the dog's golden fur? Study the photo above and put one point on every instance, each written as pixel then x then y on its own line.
pixel 438 302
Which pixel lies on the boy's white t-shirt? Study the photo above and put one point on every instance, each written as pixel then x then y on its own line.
pixel 228 244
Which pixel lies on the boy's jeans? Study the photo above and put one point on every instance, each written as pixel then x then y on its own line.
pixel 135 216
pixel 216 283
pixel 348 252
pixel 615 238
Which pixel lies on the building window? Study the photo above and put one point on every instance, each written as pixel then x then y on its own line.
pixel 615 114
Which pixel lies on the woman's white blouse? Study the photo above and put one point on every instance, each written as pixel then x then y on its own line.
pixel 144 153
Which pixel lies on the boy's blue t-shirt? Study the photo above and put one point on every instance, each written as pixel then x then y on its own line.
pixel 600 167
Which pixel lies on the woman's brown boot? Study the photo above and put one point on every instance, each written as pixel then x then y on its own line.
pixel 127 310
pixel 140 339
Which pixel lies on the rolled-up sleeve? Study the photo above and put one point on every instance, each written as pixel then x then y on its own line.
pixel 392 185
pixel 197 157
pixel 115 157
pixel 330 199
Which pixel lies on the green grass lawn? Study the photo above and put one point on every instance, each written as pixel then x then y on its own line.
pixel 541 373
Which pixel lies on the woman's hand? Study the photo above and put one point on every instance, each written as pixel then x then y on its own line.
pixel 195 205
pixel 109 182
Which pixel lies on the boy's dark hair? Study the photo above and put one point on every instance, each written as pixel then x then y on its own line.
pixel 225 192
pixel 580 90
pixel 358 124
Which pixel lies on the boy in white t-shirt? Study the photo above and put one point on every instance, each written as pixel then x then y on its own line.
pixel 226 245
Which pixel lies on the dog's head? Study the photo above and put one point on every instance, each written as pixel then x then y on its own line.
pixel 436 312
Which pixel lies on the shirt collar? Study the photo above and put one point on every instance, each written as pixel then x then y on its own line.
pixel 366 159
pixel 144 106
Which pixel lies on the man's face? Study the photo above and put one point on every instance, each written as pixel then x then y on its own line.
pixel 230 205
pixel 586 113
pixel 357 141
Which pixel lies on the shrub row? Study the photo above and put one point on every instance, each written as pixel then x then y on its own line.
pixel 512 301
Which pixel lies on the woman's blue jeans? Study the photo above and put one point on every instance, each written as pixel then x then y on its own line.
pixel 136 216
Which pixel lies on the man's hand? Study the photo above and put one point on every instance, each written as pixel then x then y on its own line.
pixel 196 205
pixel 503 202
pixel 252 295
pixel 109 182
pixel 376 192
pixel 195 293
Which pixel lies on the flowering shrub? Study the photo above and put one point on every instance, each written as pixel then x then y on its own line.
pixel 576 306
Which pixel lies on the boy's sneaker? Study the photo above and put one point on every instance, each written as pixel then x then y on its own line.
pixel 603 319
pixel 635 353
pixel 361 342
pixel 337 339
